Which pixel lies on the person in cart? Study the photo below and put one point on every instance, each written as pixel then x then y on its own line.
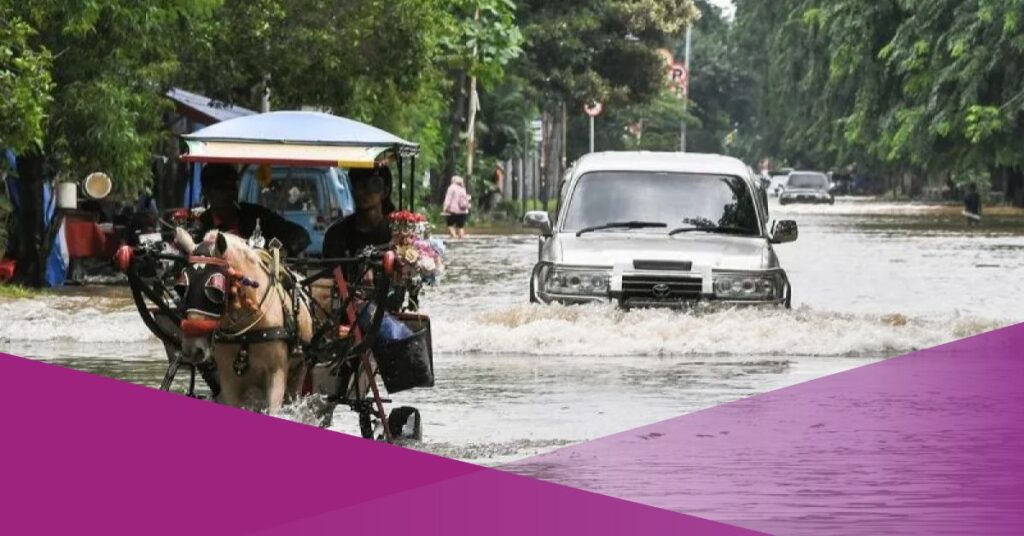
pixel 225 213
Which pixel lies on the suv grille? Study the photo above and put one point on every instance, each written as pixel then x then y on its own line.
pixel 658 288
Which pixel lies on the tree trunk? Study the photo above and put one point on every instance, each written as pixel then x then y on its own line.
pixel 31 267
pixel 451 153
pixel 1015 186
pixel 471 134
pixel 552 158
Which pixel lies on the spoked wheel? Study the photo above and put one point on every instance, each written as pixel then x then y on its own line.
pixel 405 423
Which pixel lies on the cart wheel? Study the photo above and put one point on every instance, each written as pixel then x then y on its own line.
pixel 405 423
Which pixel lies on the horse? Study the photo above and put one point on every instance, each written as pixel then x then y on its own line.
pixel 238 309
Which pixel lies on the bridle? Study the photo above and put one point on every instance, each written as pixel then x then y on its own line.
pixel 245 333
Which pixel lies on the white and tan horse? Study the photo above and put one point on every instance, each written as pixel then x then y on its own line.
pixel 257 366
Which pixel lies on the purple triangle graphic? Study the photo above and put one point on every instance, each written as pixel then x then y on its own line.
pixel 82 454
pixel 925 443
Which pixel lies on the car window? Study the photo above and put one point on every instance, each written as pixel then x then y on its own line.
pixel 674 199
pixel 807 180
pixel 293 190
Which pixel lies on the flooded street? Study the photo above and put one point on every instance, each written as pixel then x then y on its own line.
pixel 871 280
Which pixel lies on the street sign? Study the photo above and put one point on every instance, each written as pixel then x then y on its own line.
pixel 593 109
pixel 678 75
pixel 537 129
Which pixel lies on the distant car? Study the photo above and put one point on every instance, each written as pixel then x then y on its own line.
pixel 660 230
pixel 806 187
pixel 777 181
pixel 311 197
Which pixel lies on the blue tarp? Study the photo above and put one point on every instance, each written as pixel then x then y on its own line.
pixel 57 262
pixel 308 128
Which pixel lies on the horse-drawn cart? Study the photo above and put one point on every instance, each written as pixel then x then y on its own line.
pixel 234 311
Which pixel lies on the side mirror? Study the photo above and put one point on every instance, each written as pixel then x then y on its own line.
pixel 784 231
pixel 538 219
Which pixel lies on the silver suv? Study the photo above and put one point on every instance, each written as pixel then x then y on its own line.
pixel 806 187
pixel 660 230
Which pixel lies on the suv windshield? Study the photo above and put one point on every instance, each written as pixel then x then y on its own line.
pixel 815 181
pixel 674 199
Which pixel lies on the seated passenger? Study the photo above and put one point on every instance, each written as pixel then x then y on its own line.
pixel 369 225
pixel 225 213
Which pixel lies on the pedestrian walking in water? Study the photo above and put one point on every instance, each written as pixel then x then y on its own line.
pixel 972 205
pixel 456 207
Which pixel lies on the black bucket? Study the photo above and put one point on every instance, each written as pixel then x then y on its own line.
pixel 407 363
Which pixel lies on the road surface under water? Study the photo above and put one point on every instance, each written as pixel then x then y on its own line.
pixel 871 280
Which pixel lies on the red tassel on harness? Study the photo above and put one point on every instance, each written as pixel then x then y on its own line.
pixel 198 327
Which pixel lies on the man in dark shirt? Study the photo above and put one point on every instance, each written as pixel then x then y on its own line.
pixel 369 225
pixel 225 213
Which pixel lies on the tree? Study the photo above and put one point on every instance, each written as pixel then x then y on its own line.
pixel 479 42
pixel 582 50
pixel 932 89
pixel 91 99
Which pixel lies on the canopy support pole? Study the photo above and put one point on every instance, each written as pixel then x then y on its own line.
pixel 401 181
pixel 412 184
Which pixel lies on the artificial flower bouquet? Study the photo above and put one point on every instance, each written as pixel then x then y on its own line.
pixel 420 258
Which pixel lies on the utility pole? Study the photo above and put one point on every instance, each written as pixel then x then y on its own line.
pixel 591 133
pixel 686 95
pixel 265 99
pixel 474 105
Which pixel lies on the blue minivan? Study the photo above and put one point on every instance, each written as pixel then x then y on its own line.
pixel 311 197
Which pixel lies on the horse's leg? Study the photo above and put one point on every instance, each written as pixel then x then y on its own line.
pixel 277 379
pixel 297 371
pixel 275 359
pixel 231 385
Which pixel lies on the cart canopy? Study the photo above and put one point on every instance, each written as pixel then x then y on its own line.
pixel 295 138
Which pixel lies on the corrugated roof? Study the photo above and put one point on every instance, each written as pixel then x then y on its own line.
pixel 209 110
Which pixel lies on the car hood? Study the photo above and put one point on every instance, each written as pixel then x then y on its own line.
pixel 611 249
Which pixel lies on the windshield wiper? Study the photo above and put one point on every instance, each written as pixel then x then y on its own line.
pixel 623 225
pixel 715 229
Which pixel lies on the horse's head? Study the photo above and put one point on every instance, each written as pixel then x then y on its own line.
pixel 216 284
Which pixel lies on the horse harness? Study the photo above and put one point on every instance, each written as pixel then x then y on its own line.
pixel 211 302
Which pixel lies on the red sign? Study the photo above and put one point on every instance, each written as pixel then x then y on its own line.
pixel 678 75
pixel 593 109
pixel 679 79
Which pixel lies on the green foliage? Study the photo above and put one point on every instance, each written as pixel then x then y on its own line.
pixel 481 37
pixel 582 50
pixel 97 72
pixel 905 85
pixel 373 61
pixel 25 85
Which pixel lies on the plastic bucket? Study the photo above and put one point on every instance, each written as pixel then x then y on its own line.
pixel 67 195
pixel 408 363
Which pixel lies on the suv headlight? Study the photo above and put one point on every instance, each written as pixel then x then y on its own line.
pixel 753 286
pixel 576 281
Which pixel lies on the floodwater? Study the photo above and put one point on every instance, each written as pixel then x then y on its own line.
pixel 871 280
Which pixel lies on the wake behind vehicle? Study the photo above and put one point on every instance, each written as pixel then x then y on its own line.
pixel 660 230
pixel 806 187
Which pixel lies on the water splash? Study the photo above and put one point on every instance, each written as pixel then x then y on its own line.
pixel 604 330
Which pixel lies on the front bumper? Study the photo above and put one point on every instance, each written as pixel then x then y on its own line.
pixel 705 297
pixel 806 198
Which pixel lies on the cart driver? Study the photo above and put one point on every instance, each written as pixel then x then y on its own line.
pixel 225 213
pixel 369 225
